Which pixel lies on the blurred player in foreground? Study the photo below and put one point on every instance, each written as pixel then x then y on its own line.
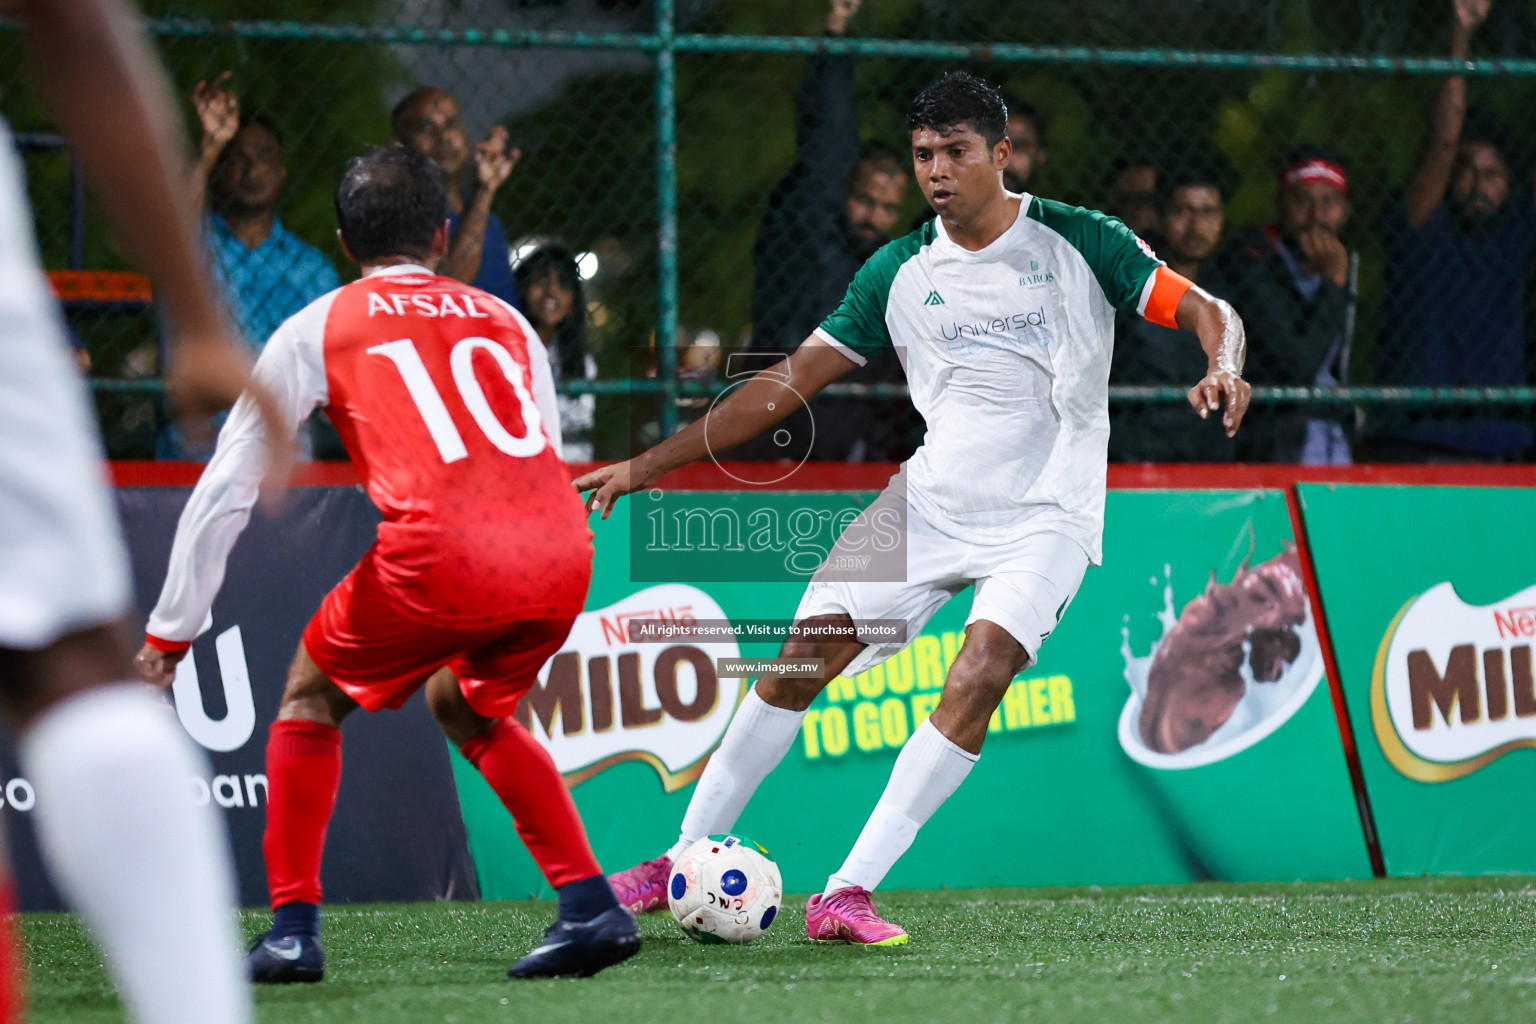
pixel 148 871
pixel 444 399
pixel 1003 308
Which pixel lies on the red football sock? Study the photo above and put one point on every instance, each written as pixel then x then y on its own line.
pixel 524 776
pixel 303 775
pixel 12 981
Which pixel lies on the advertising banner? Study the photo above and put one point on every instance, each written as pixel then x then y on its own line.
pixel 1177 727
pixel 1432 611
pixel 397 833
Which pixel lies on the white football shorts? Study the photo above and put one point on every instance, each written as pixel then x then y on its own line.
pixel 63 566
pixel 1023 585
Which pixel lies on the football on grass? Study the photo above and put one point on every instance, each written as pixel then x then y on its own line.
pixel 725 889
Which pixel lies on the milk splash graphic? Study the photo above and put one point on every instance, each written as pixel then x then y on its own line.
pixel 1264 707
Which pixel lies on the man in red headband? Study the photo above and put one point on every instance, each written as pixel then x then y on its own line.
pixel 1290 282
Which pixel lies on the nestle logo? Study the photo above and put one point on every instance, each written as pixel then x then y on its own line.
pixel 616 630
pixel 1516 621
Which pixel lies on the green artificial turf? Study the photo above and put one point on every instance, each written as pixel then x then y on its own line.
pixel 1398 951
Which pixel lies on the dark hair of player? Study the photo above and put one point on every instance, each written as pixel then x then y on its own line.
pixel 957 99
pixel 390 202
pixel 1018 107
pixel 1214 170
pixel 571 333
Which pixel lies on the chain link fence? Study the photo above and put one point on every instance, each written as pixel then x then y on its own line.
pixel 695 179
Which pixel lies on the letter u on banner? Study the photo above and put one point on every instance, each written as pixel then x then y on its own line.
pixel 239 721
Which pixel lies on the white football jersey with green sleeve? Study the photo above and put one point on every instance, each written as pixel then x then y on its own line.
pixel 1007 353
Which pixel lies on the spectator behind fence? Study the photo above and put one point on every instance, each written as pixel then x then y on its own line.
pixel 1026 130
pixel 1458 252
pixel 1290 283
pixel 1131 189
pixel 836 206
pixel 266 273
pixel 428 120
pixel 554 301
pixel 1191 218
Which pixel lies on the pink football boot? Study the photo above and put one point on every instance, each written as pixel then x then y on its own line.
pixel 643 888
pixel 848 915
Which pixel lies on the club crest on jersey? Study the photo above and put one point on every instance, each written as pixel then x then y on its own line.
pixel 606 699
pixel 424 305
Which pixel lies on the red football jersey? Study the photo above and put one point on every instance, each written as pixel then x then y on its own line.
pixel 430 385
pixel 444 399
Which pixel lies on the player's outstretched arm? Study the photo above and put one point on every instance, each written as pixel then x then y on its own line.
pixel 1226 347
pixel 763 401
pixel 292 370
pixel 110 97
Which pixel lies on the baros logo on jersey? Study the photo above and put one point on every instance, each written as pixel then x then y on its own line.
pixel 1453 688
pixel 603 699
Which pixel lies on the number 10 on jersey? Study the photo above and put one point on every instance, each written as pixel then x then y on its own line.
pixel 434 413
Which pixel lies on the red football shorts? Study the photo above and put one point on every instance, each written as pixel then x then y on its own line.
pixel 379 656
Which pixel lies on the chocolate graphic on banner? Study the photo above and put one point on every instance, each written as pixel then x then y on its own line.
pixel 1238 662
pixel 1196 681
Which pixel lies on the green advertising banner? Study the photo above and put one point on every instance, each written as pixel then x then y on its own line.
pixel 1432 610
pixel 1177 727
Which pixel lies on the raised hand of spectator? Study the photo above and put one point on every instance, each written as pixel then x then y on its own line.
pixel 493 161
pixel 218 111
pixel 839 13
pixel 1471 13
pixel 1326 252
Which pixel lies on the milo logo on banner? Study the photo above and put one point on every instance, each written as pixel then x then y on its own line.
pixel 605 699
pixel 1453 687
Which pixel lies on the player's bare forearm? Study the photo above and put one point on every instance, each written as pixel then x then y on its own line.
pixel 83 51
pixel 1221 335
pixel 760 403
pixel 463 260
pixel 158 667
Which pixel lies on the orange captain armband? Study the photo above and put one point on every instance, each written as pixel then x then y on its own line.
pixel 1161 298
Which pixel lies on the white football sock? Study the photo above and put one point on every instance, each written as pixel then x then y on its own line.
pixel 147 869
pixel 754 744
pixel 927 772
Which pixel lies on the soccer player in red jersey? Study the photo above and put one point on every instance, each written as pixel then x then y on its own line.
pixel 443 397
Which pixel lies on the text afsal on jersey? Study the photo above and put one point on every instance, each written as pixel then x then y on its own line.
pixel 418 304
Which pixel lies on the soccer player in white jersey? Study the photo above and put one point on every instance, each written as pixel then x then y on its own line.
pixel 147 870
pixel 1002 309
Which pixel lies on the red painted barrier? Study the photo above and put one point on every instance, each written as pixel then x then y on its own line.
pixel 872 476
